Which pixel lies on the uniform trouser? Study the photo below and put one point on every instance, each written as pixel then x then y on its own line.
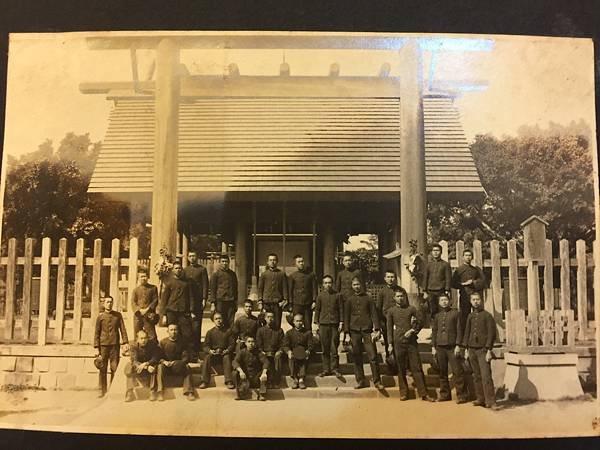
pixel 243 387
pixel 446 358
pixel 276 310
pixel 141 323
pixel 407 355
pixel 297 367
pixel 433 299
pixel 210 360
pixel 227 310
pixel 183 321
pixel 464 308
pixel 133 377
pixel 110 358
pixel 196 332
pixel 274 370
pixel 330 341
pixel 179 368
pixel 482 376
pixel 362 340
pixel 307 313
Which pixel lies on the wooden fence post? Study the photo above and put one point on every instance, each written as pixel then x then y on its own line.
pixel 513 275
pixel 477 253
pixel 460 247
pixel 496 287
pixel 184 249
pixel 582 306
pixel 44 291
pixel 60 289
pixel 78 294
pixel 27 280
pixel 9 305
pixel 132 283
pixel 548 277
pixel 444 245
pixel 565 276
pixel 96 273
pixel 115 254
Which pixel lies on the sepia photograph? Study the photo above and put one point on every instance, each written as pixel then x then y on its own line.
pixel 300 234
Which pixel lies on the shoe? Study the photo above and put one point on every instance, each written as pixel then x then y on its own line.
pixel 101 394
pixel 203 385
pixel 190 396
pixel 161 397
pixel 295 384
pixel 362 385
pixel 493 407
pixel 478 403
pixel 230 385
pixel 404 398
pixel 237 397
pixel 428 398
pixel 129 397
pixel 460 401
pixel 444 399
pixel 337 373
pixel 301 384
pixel 262 397
pixel 379 386
pixel 152 396
pixel 323 373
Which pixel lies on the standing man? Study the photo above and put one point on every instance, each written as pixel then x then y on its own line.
pixel 224 291
pixel 303 291
pixel 437 278
pixel 343 281
pixel 273 289
pixel 110 334
pixel 360 319
pixel 329 312
pixel 468 278
pixel 385 300
pixel 144 300
pixel 176 302
pixel 198 277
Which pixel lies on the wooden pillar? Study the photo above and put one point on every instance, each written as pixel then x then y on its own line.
pixel 164 191
pixel 328 250
pixel 413 206
pixel 241 258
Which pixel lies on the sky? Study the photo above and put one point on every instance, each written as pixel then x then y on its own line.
pixel 530 80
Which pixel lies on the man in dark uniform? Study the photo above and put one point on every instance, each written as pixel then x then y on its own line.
pixel 360 319
pixel 144 300
pixel 224 291
pixel 269 340
pixel 329 310
pixel 175 356
pixel 303 291
pixel 343 281
pixel 272 289
pixel 218 346
pixel 176 302
pixel 197 275
pixel 437 278
pixel 479 337
pixel 109 335
pixel 145 356
pixel 251 371
pixel 445 340
pixel 245 325
pixel 468 278
pixel 298 345
pixel 385 300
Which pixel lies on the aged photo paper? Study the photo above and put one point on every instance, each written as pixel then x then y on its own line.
pixel 300 234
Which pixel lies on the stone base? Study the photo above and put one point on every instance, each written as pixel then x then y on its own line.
pixel 549 376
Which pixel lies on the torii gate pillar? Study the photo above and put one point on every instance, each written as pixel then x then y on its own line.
pixel 164 189
pixel 413 202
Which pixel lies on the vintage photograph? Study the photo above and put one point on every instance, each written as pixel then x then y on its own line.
pixel 300 234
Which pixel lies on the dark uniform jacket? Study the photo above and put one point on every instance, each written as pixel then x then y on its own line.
pixel 269 339
pixel 480 330
pixel 245 326
pixel 445 328
pixel 385 300
pixel 399 320
pixel 303 288
pixel 360 313
pixel 219 339
pixel 199 277
pixel 467 272
pixel 174 350
pixel 272 286
pixel 223 286
pixel 329 309
pixel 343 282
pixel 144 296
pixel 437 276
pixel 298 338
pixel 251 362
pixel 149 353
pixel 110 329
pixel 177 296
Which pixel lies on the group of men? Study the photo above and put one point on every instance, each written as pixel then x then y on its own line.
pixel 251 348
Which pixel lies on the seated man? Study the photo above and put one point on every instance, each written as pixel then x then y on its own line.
pixel 269 340
pixel 251 371
pixel 174 360
pixel 245 325
pixel 145 355
pixel 298 345
pixel 218 346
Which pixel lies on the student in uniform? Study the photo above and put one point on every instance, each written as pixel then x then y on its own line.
pixel 445 347
pixel 329 311
pixel 360 319
pixel 468 278
pixel 269 340
pixel 224 291
pixel 273 289
pixel 479 337
pixel 303 291
pixel 437 278
pixel 343 281
pixel 198 276
pixel 403 326
pixel 298 345
pixel 245 325
pixel 145 356
pixel 385 300
pixel 218 347
pixel 175 356
pixel 144 300
pixel 251 368
pixel 176 302
pixel 110 334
